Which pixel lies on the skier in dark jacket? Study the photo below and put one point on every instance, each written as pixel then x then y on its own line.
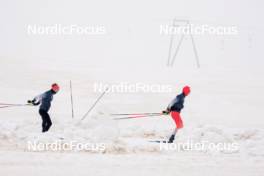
pixel 45 102
pixel 174 108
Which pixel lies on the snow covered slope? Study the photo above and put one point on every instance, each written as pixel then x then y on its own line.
pixel 223 108
pixel 223 130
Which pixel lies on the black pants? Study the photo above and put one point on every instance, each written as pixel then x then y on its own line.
pixel 46 122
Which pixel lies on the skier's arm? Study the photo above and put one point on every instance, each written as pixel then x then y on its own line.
pixel 33 102
pixel 171 104
pixel 36 101
pixel 168 109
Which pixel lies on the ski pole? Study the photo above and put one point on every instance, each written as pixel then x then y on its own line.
pixel 138 116
pixel 91 108
pixel 10 106
pixel 5 106
pixel 71 100
pixel 151 113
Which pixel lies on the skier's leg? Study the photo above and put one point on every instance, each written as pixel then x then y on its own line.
pixel 43 116
pixel 178 122
pixel 173 136
pixel 49 123
pixel 175 131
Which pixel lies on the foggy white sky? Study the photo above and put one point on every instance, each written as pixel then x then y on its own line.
pixel 132 30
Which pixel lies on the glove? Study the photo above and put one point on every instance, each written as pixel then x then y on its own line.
pixel 33 102
pixel 165 112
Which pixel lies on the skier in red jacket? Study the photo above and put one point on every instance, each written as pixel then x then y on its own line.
pixel 174 108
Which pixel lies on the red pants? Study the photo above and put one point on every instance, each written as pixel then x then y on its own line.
pixel 177 119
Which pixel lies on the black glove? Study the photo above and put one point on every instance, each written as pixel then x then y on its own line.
pixel 33 102
pixel 165 112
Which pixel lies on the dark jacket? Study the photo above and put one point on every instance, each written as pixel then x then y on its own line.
pixel 177 103
pixel 44 100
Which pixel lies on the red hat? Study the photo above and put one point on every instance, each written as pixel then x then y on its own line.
pixel 55 87
pixel 186 90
